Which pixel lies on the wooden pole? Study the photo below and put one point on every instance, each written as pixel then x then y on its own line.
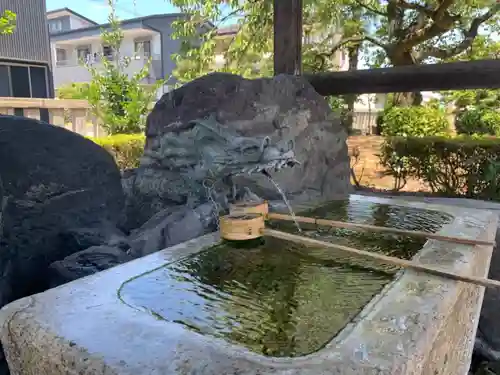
pixel 374 228
pixel 382 258
pixel 431 77
pixel 287 37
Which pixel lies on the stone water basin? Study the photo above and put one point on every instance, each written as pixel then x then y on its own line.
pixel 205 307
pixel 277 298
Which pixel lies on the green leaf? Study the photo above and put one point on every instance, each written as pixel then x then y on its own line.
pixel 8 21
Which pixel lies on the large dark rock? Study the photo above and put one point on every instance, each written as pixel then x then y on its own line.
pixel 77 239
pixel 171 227
pixel 284 108
pixel 85 263
pixel 54 182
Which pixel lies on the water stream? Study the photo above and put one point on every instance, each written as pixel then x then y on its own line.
pixel 285 199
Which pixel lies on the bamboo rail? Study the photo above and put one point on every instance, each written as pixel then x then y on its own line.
pixel 382 258
pixel 374 228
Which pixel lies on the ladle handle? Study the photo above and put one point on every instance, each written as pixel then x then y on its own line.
pixel 374 228
pixel 382 258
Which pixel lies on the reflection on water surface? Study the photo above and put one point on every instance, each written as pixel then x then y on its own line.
pixel 276 298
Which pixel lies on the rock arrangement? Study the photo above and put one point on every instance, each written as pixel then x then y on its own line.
pixel 67 212
pixel 64 211
pixel 55 185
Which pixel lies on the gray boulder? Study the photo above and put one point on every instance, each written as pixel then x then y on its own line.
pixel 284 109
pixel 54 182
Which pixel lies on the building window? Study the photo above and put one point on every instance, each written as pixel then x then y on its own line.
pixel 142 48
pixel 30 81
pixel 55 26
pixel 38 81
pixel 83 54
pixel 61 57
pixel 107 52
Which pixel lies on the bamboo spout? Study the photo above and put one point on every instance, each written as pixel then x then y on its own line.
pixel 374 228
pixel 382 258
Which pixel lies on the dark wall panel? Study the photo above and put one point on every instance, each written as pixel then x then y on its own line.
pixel 20 81
pixel 38 82
pixel 4 81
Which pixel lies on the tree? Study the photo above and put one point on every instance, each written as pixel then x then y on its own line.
pixel 390 32
pixel 120 102
pixel 7 22
pixel 481 48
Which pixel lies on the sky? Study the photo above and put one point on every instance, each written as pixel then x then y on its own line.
pixel 97 10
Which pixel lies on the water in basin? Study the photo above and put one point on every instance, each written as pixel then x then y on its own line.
pixel 276 298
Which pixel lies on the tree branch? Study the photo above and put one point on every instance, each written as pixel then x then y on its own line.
pixel 358 39
pixel 441 18
pixel 442 9
pixel 469 37
pixel 229 15
pixel 370 9
pixel 441 21
pixel 349 40
pixel 419 8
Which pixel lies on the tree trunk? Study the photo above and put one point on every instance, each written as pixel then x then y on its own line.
pixel 350 99
pixel 405 99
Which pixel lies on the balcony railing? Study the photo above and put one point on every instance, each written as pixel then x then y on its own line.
pixel 71 114
pixel 98 58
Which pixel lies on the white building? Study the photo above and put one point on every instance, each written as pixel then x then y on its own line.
pixel 75 38
pixel 65 19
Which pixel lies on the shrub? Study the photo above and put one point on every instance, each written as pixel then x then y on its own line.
pixel 461 166
pixel 413 122
pixel 73 91
pixel 478 121
pixel 126 149
pixel 120 102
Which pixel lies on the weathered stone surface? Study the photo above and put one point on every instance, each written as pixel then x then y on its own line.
pixel 54 182
pixel 488 343
pixel 77 239
pixel 170 227
pixel 86 262
pixel 197 162
pixel 285 110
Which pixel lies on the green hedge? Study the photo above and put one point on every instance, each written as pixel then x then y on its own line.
pixel 125 148
pixel 478 121
pixel 418 121
pixel 461 166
